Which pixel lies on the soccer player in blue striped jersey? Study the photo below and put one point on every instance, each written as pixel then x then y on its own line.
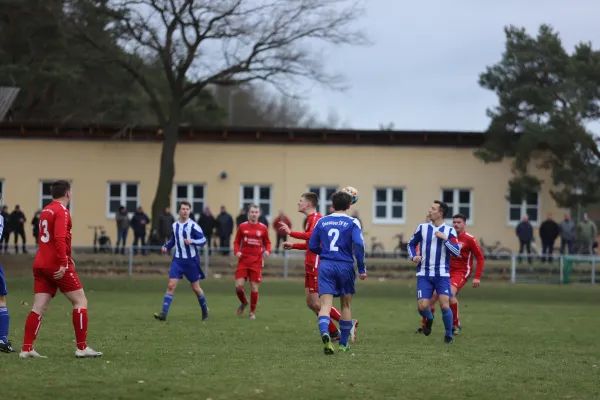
pixel 5 344
pixel 337 239
pixel 437 243
pixel 187 235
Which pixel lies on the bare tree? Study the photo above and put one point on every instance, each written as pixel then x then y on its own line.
pixel 224 42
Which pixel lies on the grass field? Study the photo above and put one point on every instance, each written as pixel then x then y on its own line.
pixel 518 342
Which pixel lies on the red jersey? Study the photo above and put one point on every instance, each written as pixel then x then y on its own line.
pixel 469 250
pixel 54 237
pixel 311 260
pixel 252 240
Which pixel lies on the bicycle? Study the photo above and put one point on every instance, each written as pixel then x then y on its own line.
pixel 495 252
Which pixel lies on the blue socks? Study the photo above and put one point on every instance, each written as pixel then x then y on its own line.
pixel 447 318
pixel 4 323
pixel 427 314
pixel 324 324
pixel 202 301
pixel 345 327
pixel 167 303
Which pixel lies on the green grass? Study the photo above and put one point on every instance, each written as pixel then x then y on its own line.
pixel 518 342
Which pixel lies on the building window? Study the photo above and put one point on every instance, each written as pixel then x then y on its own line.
pixel 324 193
pixel 125 194
pixel 46 196
pixel 518 208
pixel 193 192
pixel 459 201
pixel 2 191
pixel 388 206
pixel 256 194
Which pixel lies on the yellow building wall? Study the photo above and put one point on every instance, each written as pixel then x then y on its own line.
pixel 289 169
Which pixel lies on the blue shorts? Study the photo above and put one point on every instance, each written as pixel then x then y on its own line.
pixel 3 291
pixel 336 278
pixel 427 284
pixel 188 267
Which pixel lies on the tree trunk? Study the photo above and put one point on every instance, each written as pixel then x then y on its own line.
pixel 162 198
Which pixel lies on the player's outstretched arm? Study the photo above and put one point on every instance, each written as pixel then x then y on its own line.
pixel 171 243
pixel 300 246
pixel 452 243
pixel 237 240
pixel 314 244
pixel 478 257
pixel 267 241
pixel 359 249
pixel 415 239
pixel 198 236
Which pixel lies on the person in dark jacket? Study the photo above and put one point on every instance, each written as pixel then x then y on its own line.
pixel 524 232
pixel 35 227
pixel 122 220
pixel 7 227
pixel 17 224
pixel 549 231
pixel 207 223
pixel 165 226
pixel 242 217
pixel 224 230
pixel 139 222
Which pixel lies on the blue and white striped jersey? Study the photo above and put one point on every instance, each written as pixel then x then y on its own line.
pixel 435 253
pixel 186 230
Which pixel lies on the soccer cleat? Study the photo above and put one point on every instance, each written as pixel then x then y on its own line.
pixel 30 354
pixel 456 330
pixel 204 315
pixel 88 352
pixel 335 336
pixel 252 316
pixel 241 309
pixel 427 328
pixel 6 347
pixel 343 348
pixel 353 331
pixel 448 340
pixel 160 316
pixel 327 346
pixel 420 330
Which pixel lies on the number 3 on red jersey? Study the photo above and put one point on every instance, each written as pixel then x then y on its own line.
pixel 45 235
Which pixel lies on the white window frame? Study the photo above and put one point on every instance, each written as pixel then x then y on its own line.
pixel 190 196
pixel 324 202
pixel 455 209
pixel 123 198
pixel 256 199
pixel 524 211
pixel 42 196
pixel 3 202
pixel 389 204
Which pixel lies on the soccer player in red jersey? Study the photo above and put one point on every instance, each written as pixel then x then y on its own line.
pixel 461 269
pixel 53 269
pixel 251 245
pixel 308 206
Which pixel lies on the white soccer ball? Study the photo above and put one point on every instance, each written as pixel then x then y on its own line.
pixel 352 192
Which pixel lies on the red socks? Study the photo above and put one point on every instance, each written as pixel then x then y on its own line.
pixel 454 308
pixel 253 301
pixel 32 327
pixel 424 320
pixel 241 294
pixel 335 314
pixel 80 324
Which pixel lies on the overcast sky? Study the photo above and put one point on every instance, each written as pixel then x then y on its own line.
pixel 421 72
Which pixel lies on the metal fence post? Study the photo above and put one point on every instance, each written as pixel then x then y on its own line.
pixel 206 260
pixel 593 270
pixel 286 262
pixel 562 269
pixel 513 268
pixel 130 261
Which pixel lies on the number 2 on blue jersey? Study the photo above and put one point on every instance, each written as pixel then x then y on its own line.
pixel 336 234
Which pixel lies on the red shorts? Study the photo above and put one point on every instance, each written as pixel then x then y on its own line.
pixel 311 282
pixel 459 279
pixel 44 282
pixel 250 273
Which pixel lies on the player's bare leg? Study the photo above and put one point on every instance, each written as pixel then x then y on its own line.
pixel 313 302
pixel 446 317
pixel 454 307
pixel 253 299
pixel 241 294
pixel 347 324
pixel 5 344
pixel 201 299
pixel 432 308
pixel 80 324
pixel 168 299
pixel 33 323
pixel 326 301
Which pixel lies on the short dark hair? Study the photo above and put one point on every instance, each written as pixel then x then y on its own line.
pixel 341 201
pixel 184 203
pixel 312 198
pixel 59 189
pixel 443 207
pixel 461 216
